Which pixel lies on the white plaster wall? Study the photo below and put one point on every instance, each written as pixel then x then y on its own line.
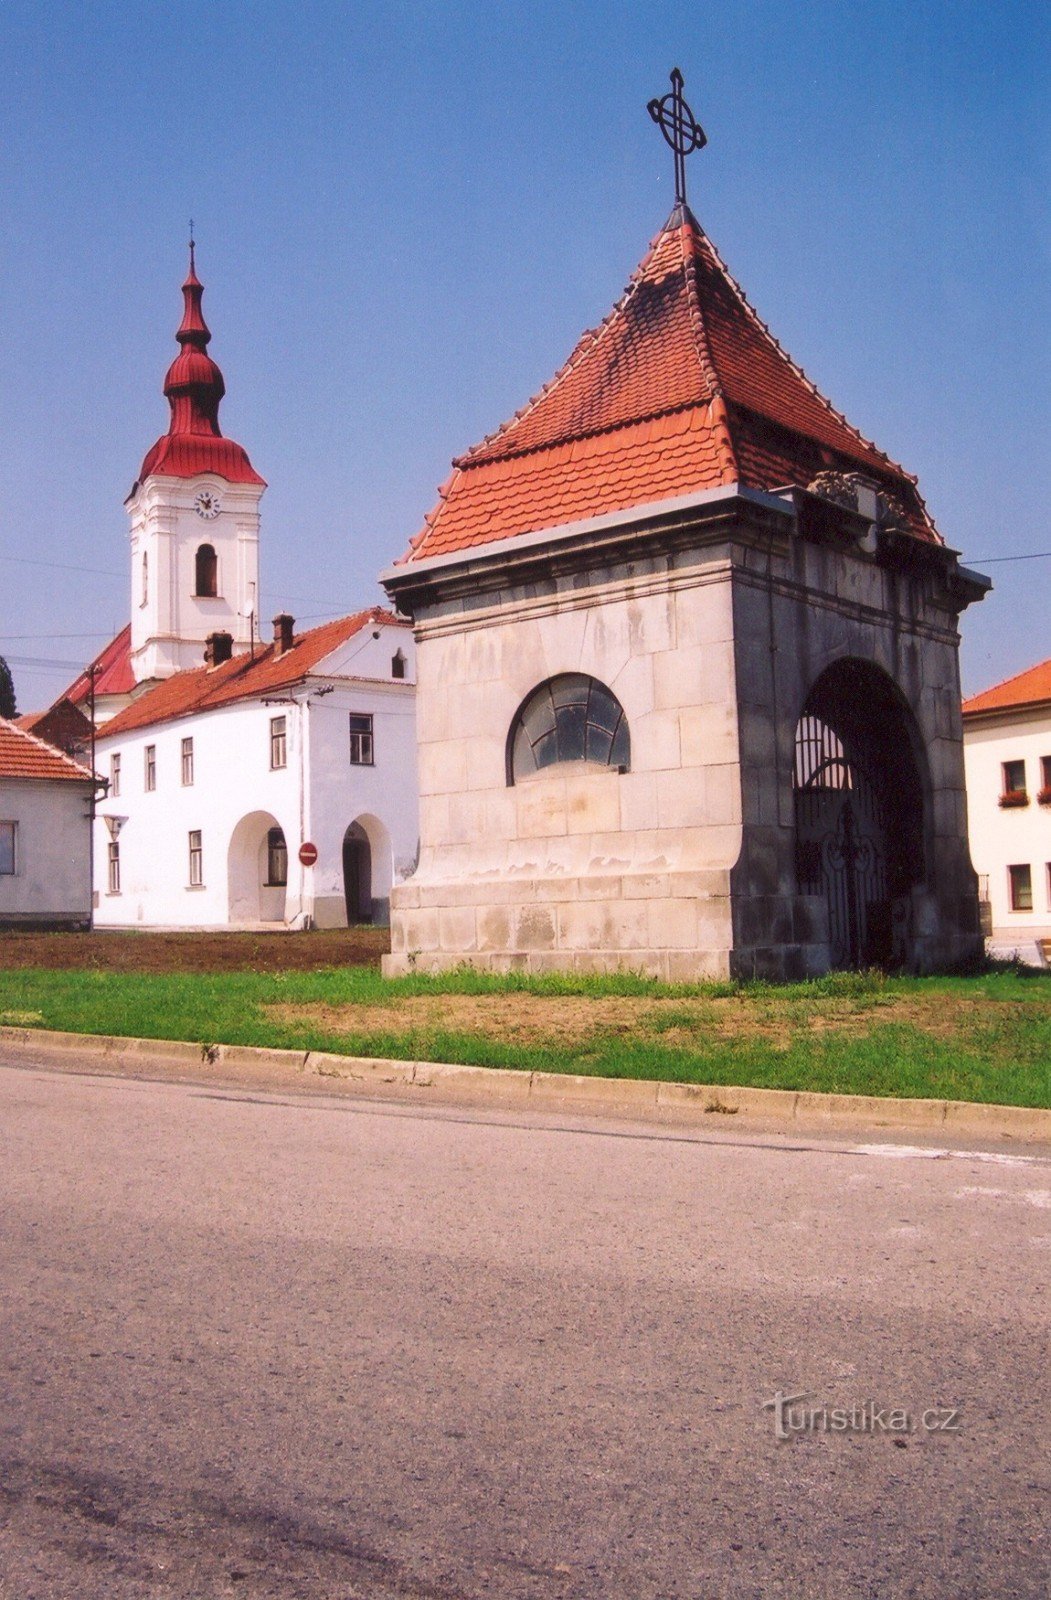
pixel 52 877
pixel 1001 838
pixel 314 797
pixel 168 632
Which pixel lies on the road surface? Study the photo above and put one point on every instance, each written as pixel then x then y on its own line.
pixel 267 1345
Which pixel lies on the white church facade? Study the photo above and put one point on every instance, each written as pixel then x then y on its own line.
pixel 247 782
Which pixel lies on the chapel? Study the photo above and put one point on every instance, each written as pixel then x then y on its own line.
pixel 687 665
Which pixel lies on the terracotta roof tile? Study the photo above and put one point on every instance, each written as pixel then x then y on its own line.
pixel 243 677
pixel 682 358
pixel 1029 688
pixel 23 755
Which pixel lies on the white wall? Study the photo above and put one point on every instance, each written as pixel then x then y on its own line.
pixel 169 630
pixel 52 879
pixel 1003 837
pixel 236 797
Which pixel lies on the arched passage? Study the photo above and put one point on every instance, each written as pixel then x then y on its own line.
pixel 860 811
pixel 257 869
pixel 368 870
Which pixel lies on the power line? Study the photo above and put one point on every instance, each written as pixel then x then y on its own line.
pixel 101 634
pixel 60 566
pixel 1035 555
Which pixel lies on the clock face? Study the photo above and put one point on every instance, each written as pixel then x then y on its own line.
pixel 206 504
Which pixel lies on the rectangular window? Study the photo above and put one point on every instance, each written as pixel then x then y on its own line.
pixel 276 859
pixel 1021 880
pixel 187 761
pixel 278 743
pixel 1014 777
pixel 361 739
pixel 113 866
pixel 114 774
pixel 1045 774
pixel 8 834
pixel 196 860
pixel 151 767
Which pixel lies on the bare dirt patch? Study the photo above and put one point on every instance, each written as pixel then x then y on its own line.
pixel 218 951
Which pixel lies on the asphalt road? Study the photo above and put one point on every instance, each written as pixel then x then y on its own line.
pixel 262 1345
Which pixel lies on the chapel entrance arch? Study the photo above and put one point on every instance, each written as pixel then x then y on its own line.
pixel 368 871
pixel 860 810
pixel 257 869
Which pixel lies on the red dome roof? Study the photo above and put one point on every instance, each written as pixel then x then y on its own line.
pixel 194 387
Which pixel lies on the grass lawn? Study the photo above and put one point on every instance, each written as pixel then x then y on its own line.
pixel 985 1038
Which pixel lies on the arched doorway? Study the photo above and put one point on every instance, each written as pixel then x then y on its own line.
pixel 368 870
pixel 357 874
pixel 860 811
pixel 257 869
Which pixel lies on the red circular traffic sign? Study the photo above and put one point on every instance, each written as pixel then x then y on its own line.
pixel 308 853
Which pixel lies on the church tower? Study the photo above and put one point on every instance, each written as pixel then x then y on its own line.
pixel 194 513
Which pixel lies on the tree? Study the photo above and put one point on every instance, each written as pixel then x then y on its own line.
pixel 8 708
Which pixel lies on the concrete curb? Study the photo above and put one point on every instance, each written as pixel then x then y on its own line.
pixel 563 1091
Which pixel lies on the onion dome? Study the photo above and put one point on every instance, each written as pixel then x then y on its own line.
pixel 194 387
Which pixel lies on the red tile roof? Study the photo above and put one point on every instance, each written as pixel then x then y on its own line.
pixel 113 674
pixel 243 677
pixel 1029 688
pixel 682 388
pixel 62 725
pixel 22 755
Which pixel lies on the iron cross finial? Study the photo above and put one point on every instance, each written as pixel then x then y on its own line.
pixel 680 128
pixel 191 242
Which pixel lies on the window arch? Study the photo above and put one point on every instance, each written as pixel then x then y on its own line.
pixel 206 572
pixel 569 718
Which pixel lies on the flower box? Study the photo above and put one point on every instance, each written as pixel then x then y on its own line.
pixel 1014 797
pixel 1043 797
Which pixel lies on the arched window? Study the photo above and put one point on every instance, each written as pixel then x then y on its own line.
pixel 206 572
pixel 569 718
pixel 397 665
pixel 145 580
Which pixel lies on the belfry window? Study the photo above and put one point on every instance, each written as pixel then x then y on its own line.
pixel 145 580
pixel 206 572
pixel 569 718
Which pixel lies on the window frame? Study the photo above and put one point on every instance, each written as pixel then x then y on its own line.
pixel 1018 766
pixel 366 748
pixel 563 709
pixel 113 866
pixel 274 851
pixel 1018 888
pixel 12 825
pixel 196 879
pixel 114 775
pixel 213 570
pixel 187 761
pixel 278 743
pixel 149 769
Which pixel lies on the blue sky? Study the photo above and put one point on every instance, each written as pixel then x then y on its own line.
pixel 407 212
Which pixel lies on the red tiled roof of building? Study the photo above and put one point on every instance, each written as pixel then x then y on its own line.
pixel 682 388
pixel 243 677
pixel 23 755
pixel 1029 688
pixel 113 674
pixel 194 387
pixel 62 725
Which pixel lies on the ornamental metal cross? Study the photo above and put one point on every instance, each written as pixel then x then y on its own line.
pixel 680 128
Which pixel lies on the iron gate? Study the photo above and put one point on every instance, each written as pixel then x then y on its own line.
pixel 842 843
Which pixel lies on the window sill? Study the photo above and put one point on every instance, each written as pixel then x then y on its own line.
pixel 195 888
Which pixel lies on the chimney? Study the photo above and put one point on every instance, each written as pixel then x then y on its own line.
pixel 218 647
pixel 283 627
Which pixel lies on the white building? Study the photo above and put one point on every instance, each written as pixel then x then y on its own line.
pixel 45 834
pixel 1007 753
pixel 276 783
pixel 217 777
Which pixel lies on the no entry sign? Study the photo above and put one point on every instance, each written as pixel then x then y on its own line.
pixel 308 853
